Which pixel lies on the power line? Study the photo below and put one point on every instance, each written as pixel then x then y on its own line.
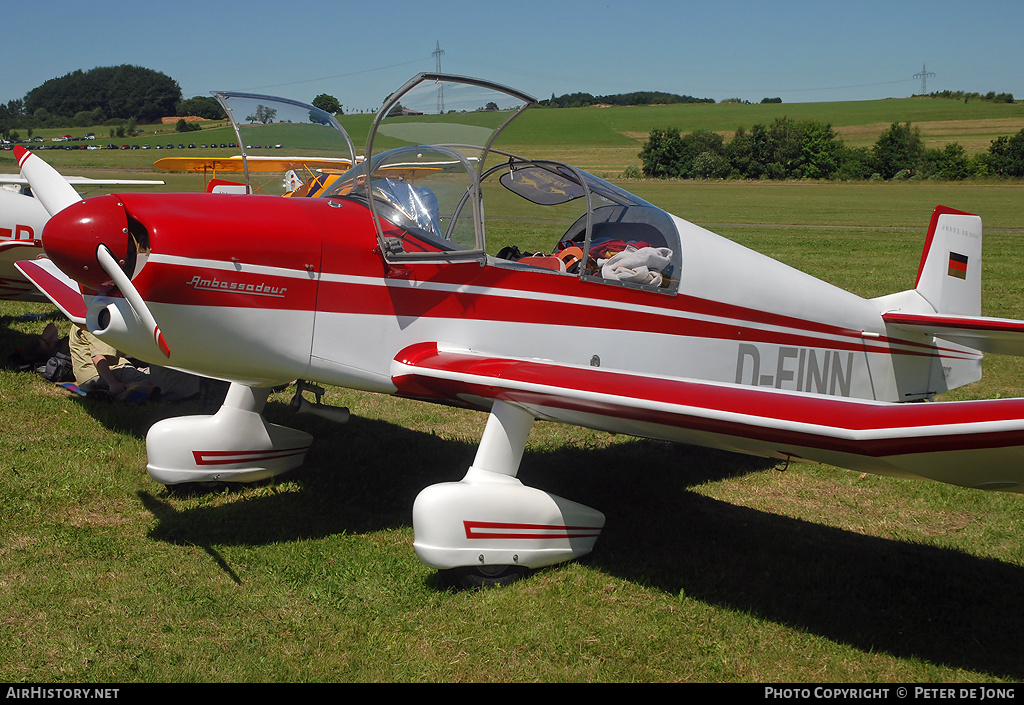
pixel 838 88
pixel 340 75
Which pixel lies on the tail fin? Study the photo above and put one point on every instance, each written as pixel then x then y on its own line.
pixel 292 180
pixel 949 277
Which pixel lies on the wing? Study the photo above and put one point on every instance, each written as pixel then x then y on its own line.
pixel 1003 336
pixel 84 181
pixel 972 443
pixel 273 165
pixel 12 285
pixel 61 290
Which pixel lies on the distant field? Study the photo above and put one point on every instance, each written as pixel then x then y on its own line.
pixel 603 139
pixel 607 140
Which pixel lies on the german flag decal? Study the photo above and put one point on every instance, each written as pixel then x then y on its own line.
pixel 957 265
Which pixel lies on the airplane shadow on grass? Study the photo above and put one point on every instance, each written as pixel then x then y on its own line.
pixel 879 595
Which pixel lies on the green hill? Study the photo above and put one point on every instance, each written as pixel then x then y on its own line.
pixel 605 140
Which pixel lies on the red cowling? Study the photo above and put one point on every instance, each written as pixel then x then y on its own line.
pixel 71 237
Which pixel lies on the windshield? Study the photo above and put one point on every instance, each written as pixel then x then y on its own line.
pixel 425 152
pixel 279 135
pixel 430 186
pixel 459 113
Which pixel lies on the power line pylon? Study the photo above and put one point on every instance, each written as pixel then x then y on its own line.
pixel 923 75
pixel 438 53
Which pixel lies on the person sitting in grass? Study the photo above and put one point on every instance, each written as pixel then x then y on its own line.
pixel 100 367
pixel 39 349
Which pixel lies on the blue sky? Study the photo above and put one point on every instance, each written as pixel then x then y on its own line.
pixel 360 51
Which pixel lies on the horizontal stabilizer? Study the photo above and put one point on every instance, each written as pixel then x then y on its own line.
pixel 1001 336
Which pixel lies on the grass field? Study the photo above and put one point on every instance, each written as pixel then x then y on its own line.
pixel 713 567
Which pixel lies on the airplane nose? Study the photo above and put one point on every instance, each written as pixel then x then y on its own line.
pixel 72 237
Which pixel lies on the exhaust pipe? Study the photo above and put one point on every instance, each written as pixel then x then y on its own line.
pixel 299 404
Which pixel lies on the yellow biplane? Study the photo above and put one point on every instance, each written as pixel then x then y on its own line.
pixel 324 150
pixel 305 176
pixel 310 132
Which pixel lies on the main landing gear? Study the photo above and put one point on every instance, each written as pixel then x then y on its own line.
pixel 489 528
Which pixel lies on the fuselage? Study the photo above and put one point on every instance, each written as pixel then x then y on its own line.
pixel 264 290
pixel 21 226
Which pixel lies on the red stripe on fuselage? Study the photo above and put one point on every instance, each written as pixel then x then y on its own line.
pixel 197 285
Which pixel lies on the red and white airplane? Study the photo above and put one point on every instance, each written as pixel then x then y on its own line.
pixel 22 218
pixel 632 321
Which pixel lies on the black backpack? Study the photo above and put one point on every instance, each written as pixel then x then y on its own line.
pixel 59 368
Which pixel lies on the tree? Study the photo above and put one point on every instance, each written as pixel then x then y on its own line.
pixel 667 154
pixel 855 163
pixel 786 149
pixel 1006 155
pixel 327 103
pixel 899 149
pixel 201 106
pixel 662 153
pixel 950 163
pixel 821 151
pixel 89 117
pixel 751 152
pixel 122 92
pixel 699 150
pixel 263 115
pixel 710 165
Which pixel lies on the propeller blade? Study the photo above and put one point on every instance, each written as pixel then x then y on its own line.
pixel 52 189
pixel 132 296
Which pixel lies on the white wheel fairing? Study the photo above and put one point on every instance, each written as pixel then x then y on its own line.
pixel 234 445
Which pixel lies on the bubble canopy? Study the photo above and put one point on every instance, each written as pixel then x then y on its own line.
pixel 431 157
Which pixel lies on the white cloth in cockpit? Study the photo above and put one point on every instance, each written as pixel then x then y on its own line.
pixel 640 266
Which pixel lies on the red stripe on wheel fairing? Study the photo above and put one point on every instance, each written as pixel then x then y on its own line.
pixel 501 530
pixel 230 457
